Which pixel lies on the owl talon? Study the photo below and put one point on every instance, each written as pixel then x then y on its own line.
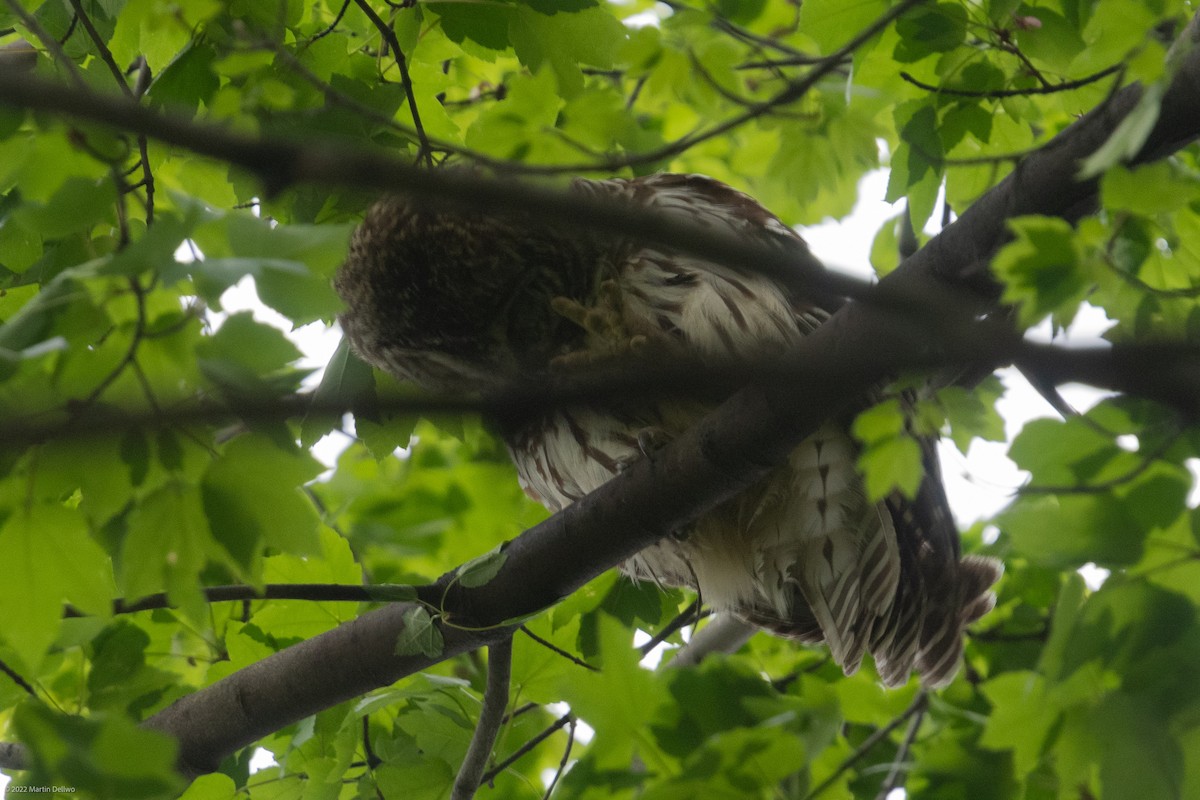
pixel 571 310
pixel 608 338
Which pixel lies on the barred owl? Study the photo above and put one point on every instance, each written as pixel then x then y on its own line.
pixel 463 302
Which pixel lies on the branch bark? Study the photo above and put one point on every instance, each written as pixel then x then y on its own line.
pixel 736 445
pixel 495 700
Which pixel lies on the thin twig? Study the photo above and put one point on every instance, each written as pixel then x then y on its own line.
pixel 16 678
pixel 372 760
pixel 130 357
pixel 495 700
pixel 1009 46
pixel 337 19
pixel 106 56
pixel 424 151
pixel 556 649
pixel 734 98
pixel 101 47
pixel 800 60
pixel 332 94
pixel 737 32
pixel 1187 293
pixel 791 93
pixel 545 734
pixel 917 705
pixel 1048 391
pixel 562 764
pixel 892 779
pixel 519 710
pixel 689 616
pixel 1064 86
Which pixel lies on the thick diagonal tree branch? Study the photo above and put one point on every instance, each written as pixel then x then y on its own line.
pixel 728 450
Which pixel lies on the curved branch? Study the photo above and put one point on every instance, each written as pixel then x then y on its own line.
pixel 1065 86
pixel 280 163
pixel 495 700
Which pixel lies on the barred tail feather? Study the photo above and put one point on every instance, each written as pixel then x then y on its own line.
pixel 896 638
pixel 832 595
pixel 977 575
pixel 879 561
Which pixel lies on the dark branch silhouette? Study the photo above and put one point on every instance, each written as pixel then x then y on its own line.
pixel 1065 86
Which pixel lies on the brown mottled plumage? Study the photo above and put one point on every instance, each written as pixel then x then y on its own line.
pixel 465 302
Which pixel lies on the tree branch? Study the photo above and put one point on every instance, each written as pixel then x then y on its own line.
pixel 724 633
pixel 1167 373
pixel 346 662
pixel 495 700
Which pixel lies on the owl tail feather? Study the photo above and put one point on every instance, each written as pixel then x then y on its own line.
pixel 942 635
pixel 919 631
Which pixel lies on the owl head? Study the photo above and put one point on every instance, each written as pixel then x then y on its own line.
pixel 456 301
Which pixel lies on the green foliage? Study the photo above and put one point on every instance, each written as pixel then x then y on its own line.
pixel 107 753
pixel 421 635
pixel 149 444
pixel 890 458
pixel 1043 270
